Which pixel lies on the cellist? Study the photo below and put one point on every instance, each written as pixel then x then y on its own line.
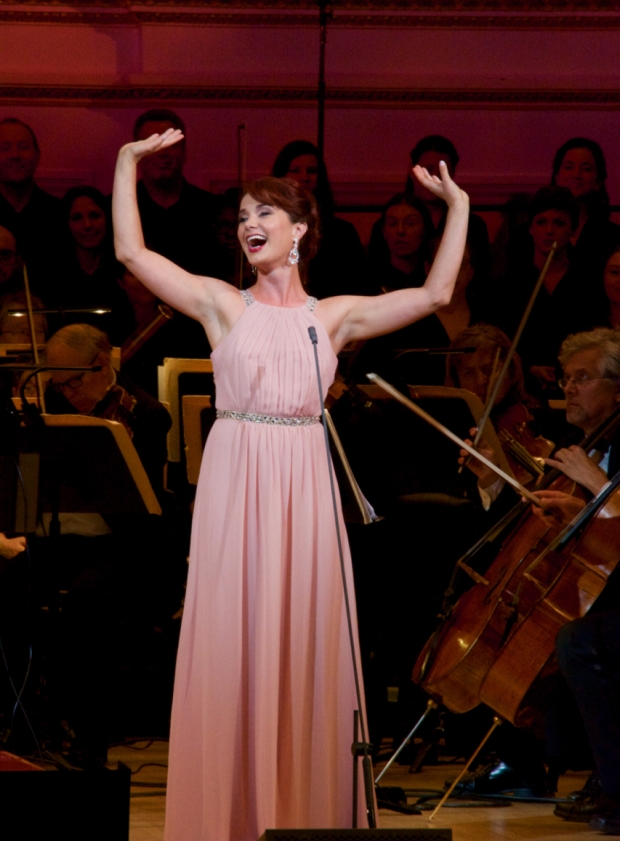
pixel 588 648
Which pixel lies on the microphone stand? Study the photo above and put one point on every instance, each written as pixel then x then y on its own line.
pixel 358 748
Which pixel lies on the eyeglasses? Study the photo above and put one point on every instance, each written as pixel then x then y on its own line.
pixel 73 383
pixel 579 381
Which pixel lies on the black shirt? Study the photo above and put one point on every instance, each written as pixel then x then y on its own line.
pixel 38 229
pixel 182 232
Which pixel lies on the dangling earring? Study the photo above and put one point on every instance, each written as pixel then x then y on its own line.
pixel 254 270
pixel 293 255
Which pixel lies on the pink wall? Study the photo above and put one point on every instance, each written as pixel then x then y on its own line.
pixel 546 86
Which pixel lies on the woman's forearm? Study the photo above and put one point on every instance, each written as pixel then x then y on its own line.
pixel 128 236
pixel 444 271
pixel 170 282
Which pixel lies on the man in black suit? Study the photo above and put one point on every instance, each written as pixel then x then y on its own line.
pixel 31 214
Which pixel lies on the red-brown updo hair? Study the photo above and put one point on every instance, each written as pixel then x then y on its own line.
pixel 299 204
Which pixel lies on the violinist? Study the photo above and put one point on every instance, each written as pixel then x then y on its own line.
pixel 106 394
pixel 511 416
pixel 113 570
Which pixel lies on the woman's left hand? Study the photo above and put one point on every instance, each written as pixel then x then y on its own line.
pixel 443 187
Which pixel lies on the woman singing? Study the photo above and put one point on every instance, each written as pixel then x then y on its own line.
pixel 264 697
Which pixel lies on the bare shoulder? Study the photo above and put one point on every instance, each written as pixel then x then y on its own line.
pixel 332 310
pixel 335 315
pixel 221 292
pixel 223 306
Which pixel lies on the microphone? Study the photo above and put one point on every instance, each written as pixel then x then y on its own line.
pixel 362 748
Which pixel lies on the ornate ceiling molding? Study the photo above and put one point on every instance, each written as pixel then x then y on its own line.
pixel 115 95
pixel 512 14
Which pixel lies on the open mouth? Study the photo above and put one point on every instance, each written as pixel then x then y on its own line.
pixel 255 243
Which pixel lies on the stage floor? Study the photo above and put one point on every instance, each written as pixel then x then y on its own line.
pixel 516 822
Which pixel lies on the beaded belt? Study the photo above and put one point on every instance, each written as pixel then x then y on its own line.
pixel 269 419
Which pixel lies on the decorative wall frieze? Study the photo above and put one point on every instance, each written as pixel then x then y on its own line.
pixel 563 6
pixel 510 14
pixel 301 97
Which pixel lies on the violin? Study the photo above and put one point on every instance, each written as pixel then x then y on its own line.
pixel 118 405
pixel 525 450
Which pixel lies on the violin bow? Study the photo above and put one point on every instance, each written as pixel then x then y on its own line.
pixel 494 391
pixel 393 392
pixel 33 339
pixel 498 351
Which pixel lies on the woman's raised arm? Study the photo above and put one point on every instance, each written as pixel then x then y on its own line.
pixel 188 293
pixel 352 318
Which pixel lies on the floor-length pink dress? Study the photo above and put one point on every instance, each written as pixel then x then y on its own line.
pixel 262 718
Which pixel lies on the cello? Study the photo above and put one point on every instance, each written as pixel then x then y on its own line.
pixel 567 577
pixel 488 619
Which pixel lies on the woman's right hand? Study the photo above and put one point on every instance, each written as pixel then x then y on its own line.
pixel 486 476
pixel 155 143
pixel 443 187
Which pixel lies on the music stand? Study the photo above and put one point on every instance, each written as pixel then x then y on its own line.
pixel 169 393
pixel 18 349
pixel 75 464
pixel 198 417
pixel 475 406
pixel 95 467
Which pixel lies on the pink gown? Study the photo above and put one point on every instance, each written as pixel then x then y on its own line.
pixel 262 717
